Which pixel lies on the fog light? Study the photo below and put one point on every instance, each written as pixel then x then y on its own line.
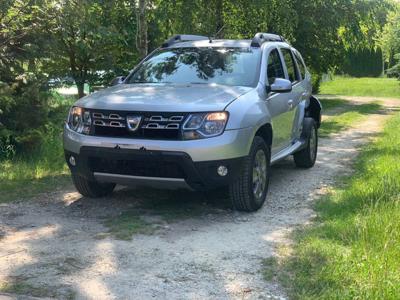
pixel 72 161
pixel 222 171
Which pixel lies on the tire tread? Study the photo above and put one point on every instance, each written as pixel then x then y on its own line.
pixel 92 189
pixel 240 190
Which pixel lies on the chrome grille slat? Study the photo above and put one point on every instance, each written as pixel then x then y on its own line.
pixel 116 124
pixel 98 116
pixel 99 123
pixel 163 125
pixel 115 117
pixel 111 116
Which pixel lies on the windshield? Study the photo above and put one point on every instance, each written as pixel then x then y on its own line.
pixel 227 66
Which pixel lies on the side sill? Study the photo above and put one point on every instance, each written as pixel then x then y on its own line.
pixel 287 151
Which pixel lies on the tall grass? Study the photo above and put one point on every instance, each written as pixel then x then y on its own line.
pixel 28 174
pixel 352 250
pixel 368 87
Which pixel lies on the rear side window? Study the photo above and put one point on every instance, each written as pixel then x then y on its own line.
pixel 275 68
pixel 291 66
pixel 300 63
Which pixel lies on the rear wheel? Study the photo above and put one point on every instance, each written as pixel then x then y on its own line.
pixel 249 191
pixel 92 188
pixel 306 157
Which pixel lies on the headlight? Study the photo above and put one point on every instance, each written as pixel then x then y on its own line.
pixel 204 125
pixel 79 120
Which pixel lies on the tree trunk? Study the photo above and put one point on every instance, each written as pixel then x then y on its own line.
pixel 141 36
pixel 81 89
pixel 219 11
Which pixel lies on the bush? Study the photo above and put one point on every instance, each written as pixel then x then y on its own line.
pixel 395 70
pixel 23 114
pixel 316 82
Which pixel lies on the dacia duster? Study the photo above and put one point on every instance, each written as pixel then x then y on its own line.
pixel 197 113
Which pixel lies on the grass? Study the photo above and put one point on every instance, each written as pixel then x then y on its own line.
pixel 347 115
pixel 24 288
pixel 368 87
pixel 128 223
pixel 162 207
pixel 28 175
pixel 352 250
pixel 329 104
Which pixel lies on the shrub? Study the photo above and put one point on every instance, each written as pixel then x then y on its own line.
pixel 23 113
pixel 395 70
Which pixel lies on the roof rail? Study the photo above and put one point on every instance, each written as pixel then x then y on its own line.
pixel 178 38
pixel 261 37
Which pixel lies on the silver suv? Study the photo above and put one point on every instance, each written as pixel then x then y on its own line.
pixel 197 113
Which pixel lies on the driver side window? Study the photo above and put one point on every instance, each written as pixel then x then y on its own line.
pixel 275 68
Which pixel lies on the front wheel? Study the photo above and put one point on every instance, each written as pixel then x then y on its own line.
pixel 249 191
pixel 306 157
pixel 92 189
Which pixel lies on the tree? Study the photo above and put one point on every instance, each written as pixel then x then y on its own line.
pixel 23 100
pixel 332 27
pixel 390 38
pixel 87 38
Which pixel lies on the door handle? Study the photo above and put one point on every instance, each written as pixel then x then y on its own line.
pixel 290 103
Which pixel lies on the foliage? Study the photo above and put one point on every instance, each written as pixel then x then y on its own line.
pixel 351 252
pixel 390 39
pixel 23 102
pixel 362 63
pixel 92 41
pixel 395 70
pixel 41 169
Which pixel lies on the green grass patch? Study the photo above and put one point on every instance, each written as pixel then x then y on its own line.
pixel 367 87
pixel 157 208
pixel 352 250
pixel 347 116
pixel 329 104
pixel 172 206
pixel 128 223
pixel 24 288
pixel 30 175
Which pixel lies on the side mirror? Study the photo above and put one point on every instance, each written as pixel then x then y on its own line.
pixel 280 85
pixel 117 80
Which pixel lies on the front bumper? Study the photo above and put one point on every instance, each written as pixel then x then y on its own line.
pixel 164 163
pixel 231 144
pixel 165 169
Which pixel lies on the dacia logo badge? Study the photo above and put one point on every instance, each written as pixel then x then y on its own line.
pixel 133 122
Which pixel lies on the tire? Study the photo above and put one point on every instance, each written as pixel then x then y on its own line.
pixel 306 157
pixel 243 192
pixel 92 189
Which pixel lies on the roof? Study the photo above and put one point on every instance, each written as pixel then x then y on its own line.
pixel 218 44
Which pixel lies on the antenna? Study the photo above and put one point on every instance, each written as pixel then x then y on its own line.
pixel 215 35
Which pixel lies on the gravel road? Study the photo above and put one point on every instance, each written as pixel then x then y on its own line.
pixel 200 249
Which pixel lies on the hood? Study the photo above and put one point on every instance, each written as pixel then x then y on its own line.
pixel 164 97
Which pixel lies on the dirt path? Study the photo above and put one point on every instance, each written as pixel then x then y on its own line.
pixel 56 245
pixel 388 102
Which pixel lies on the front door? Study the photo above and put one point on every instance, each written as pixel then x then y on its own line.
pixel 280 105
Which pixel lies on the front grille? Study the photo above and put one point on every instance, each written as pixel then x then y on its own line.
pixel 163 169
pixel 153 125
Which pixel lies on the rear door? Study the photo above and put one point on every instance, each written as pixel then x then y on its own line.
pixel 297 94
pixel 306 86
